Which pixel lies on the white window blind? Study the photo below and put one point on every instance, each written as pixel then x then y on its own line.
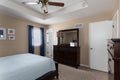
pixel 36 37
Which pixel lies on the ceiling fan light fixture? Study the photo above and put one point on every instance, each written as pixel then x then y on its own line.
pixel 30 3
pixel 44 8
pixel 84 4
pixel 44 4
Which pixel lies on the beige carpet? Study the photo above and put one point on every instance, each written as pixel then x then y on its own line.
pixel 70 73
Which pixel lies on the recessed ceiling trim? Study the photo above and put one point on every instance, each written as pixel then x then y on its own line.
pixel 69 9
pixel 19 8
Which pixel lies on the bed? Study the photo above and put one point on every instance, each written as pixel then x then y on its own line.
pixel 26 67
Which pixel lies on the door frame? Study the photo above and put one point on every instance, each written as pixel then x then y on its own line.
pixel 89 43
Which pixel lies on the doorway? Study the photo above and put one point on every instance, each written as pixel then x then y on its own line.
pixel 99 32
pixel 49 44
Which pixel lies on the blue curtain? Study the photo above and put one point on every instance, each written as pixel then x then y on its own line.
pixel 42 42
pixel 30 39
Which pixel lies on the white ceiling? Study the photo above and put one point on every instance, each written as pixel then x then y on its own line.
pixel 71 10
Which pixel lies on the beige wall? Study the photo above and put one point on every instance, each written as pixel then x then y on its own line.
pixel 83 35
pixel 20 44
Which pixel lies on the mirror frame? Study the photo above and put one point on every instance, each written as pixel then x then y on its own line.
pixel 77 30
pixel 3 30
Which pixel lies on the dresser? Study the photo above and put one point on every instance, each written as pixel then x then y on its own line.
pixel 113 48
pixel 67 55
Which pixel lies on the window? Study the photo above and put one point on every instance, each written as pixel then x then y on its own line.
pixel 36 37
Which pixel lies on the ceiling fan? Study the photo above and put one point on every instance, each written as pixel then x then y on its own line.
pixel 45 3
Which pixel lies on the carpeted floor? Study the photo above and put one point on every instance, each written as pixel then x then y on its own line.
pixel 70 73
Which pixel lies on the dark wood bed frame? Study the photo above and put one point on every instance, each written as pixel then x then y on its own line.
pixel 50 75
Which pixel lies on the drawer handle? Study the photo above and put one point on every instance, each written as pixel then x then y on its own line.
pixel 110 59
pixel 111 47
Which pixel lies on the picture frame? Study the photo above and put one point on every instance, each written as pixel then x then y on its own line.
pixel 11 37
pixel 11 31
pixel 2 34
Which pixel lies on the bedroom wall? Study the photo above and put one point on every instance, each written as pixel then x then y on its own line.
pixel 20 44
pixel 83 35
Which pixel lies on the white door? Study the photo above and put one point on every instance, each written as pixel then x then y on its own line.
pixel 49 44
pixel 99 32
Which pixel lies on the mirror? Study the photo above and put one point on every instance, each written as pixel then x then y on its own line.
pixel 68 37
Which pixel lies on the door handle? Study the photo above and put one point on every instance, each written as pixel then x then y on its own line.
pixel 91 48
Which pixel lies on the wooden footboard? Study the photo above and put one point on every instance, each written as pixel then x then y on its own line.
pixel 50 75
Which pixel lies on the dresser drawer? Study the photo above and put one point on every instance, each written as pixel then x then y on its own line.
pixel 67 55
pixel 110 64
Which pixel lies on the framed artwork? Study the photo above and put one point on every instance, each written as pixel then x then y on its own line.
pixel 11 31
pixel 11 37
pixel 2 33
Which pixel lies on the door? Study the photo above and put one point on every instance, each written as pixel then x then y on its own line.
pixel 49 44
pixel 99 32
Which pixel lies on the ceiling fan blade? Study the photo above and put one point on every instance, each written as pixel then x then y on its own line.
pixel 30 3
pixel 56 4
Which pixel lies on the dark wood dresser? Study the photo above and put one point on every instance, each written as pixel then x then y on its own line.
pixel 114 58
pixel 67 55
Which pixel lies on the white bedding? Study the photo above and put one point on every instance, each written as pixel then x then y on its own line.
pixel 24 67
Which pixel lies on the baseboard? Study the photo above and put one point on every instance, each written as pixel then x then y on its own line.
pixel 85 65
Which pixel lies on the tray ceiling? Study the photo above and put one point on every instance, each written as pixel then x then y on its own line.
pixel 72 9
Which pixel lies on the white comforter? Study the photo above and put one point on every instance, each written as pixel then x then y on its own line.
pixel 24 67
